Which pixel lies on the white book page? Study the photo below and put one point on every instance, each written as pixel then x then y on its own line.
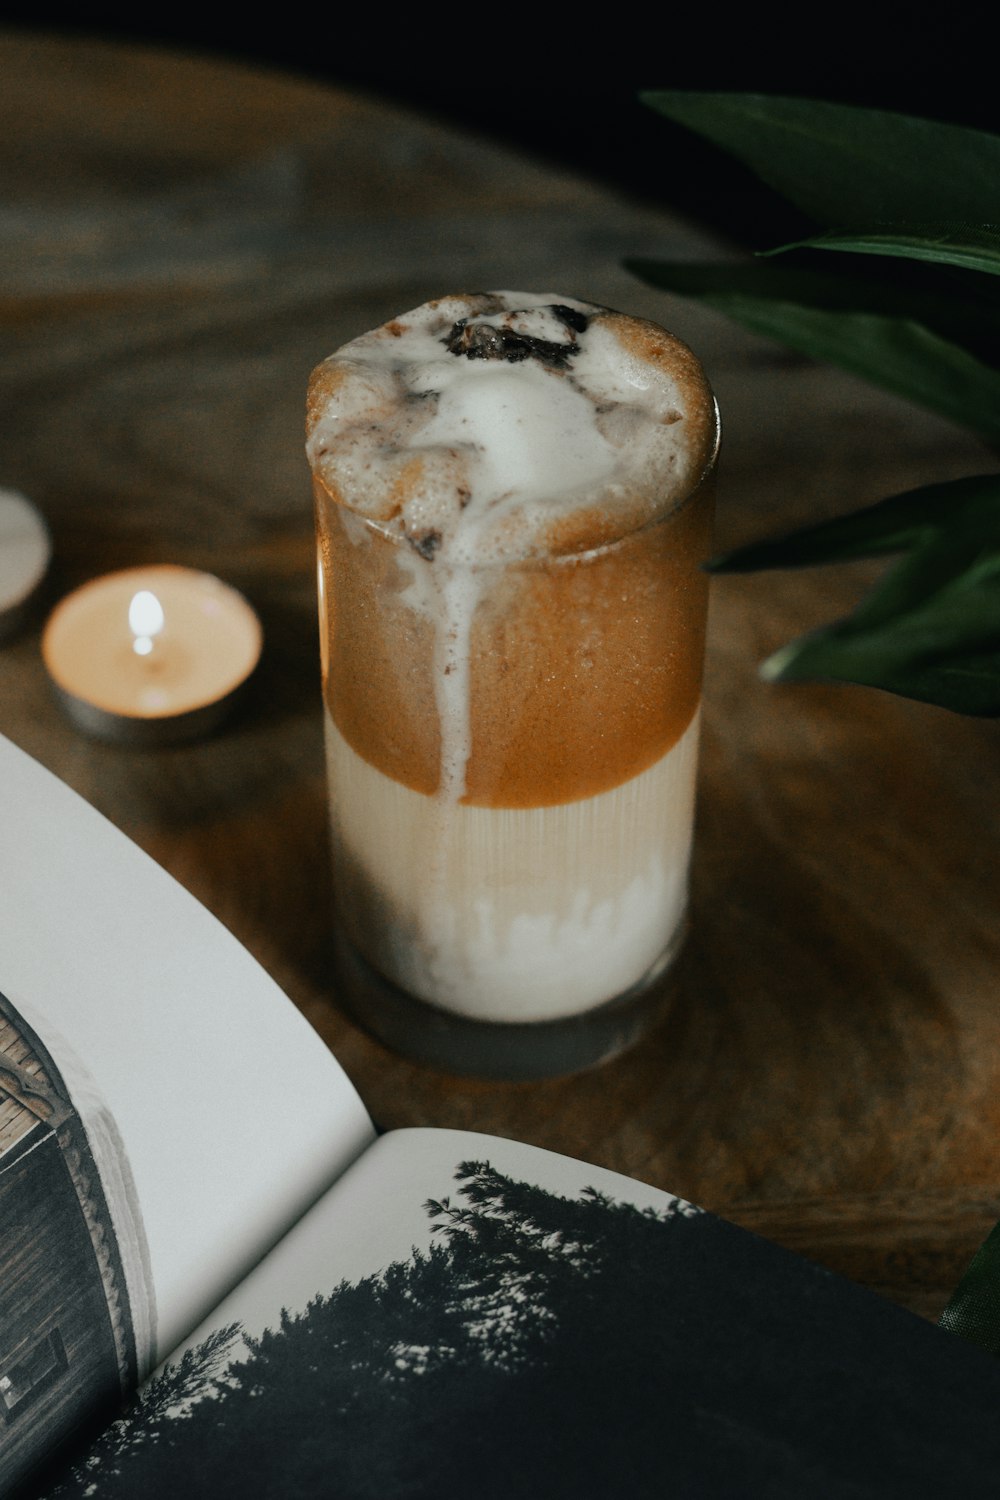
pixel 214 1113
pixel 375 1215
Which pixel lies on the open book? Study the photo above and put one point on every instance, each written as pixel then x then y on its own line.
pixel 216 1278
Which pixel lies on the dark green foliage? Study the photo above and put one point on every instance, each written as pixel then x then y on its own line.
pixel 890 189
pixel 845 165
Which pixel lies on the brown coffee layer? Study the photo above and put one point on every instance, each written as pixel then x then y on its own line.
pixel 584 670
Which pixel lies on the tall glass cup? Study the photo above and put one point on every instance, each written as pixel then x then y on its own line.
pixel 511 697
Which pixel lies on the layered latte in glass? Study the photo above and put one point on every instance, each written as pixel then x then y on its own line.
pixel 514 497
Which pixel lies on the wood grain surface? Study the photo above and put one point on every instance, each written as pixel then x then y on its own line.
pixel 182 240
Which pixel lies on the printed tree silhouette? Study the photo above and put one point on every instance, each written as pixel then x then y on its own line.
pixel 200 1372
pixel 520 1351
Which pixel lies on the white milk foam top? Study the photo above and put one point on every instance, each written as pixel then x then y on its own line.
pixel 470 453
pixel 465 428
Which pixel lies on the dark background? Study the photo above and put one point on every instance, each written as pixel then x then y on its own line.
pixel 543 81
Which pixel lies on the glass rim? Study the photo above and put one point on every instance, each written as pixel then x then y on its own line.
pixel 540 554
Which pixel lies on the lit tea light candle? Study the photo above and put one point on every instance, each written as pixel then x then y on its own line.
pixel 25 550
pixel 151 655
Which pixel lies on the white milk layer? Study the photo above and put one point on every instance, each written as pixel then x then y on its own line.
pixel 512 914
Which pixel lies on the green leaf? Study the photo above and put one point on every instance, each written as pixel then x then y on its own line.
pixel 965 683
pixel 930 630
pixel 781 282
pixel 945 592
pixel 961 617
pixel 973 1311
pixel 974 247
pixel 890 187
pixel 901 355
pixel 964 316
pixel 848 167
pixel 888 526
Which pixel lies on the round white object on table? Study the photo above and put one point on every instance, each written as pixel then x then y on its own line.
pixel 25 550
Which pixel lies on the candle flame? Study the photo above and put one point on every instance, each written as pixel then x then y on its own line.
pixel 145 619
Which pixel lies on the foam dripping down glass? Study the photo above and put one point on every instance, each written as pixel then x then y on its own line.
pixel 514 499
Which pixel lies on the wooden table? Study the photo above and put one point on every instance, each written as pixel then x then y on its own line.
pixel 182 241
